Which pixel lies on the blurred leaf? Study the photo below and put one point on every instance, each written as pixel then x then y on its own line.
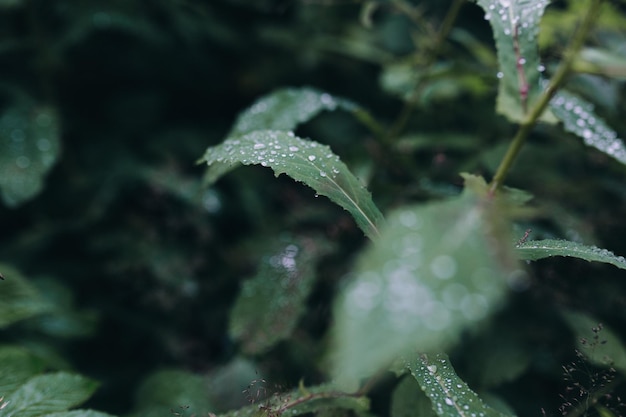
pixel 578 117
pixel 515 25
pixel 78 413
pixel 303 160
pixel 29 146
pixel 18 298
pixel 165 390
pixel 16 366
pixel 269 305
pixel 48 393
pixel 227 383
pixel 286 108
pixel 437 269
pixel 408 400
pixel 539 249
pixel 448 141
pixel 450 396
pixel 601 345
pixel 601 62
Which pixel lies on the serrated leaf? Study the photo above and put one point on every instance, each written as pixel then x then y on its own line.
pixel 306 161
pixel 436 270
pixel 450 396
pixel 408 400
pixel 49 393
pixel 286 108
pixel 538 249
pixel 515 25
pixel 596 341
pixel 270 305
pixel 29 146
pixel 78 413
pixel 579 118
pixel 18 298
pixel 16 367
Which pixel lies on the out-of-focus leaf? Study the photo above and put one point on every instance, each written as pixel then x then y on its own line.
pixel 16 367
pixel 436 269
pixel 29 146
pixel 18 298
pixel 270 304
pixel 409 400
pixel 78 413
pixel 579 118
pixel 165 390
pixel 303 160
pixel 286 108
pixel 596 341
pixel 450 396
pixel 539 249
pixel 447 141
pixel 48 393
pixel 228 382
pixel 601 62
pixel 515 25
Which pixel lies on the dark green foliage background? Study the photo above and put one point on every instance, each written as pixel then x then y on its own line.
pixel 150 262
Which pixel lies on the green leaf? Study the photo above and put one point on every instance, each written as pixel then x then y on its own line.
pixel 450 396
pixel 436 269
pixel 596 341
pixel 170 389
pixel 286 108
pixel 29 146
pixel 78 413
pixel 49 393
pixel 270 304
pixel 408 400
pixel 579 118
pixel 16 367
pixel 18 298
pixel 306 161
pixel 515 25
pixel 539 249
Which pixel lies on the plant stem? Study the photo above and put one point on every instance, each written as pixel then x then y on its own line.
pixel 555 82
pixel 432 54
pixel 593 399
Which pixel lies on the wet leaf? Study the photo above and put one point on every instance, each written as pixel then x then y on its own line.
pixel 49 393
pixel 538 249
pixel 29 147
pixel 515 25
pixel 270 305
pixel 579 118
pixel 450 396
pixel 286 108
pixel 436 269
pixel 596 341
pixel 306 161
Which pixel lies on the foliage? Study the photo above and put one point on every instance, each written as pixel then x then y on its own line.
pixel 448 138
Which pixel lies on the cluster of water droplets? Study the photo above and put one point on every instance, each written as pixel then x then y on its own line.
pixel 510 14
pixel 29 146
pixel 285 109
pixel 416 286
pixel 445 389
pixel 578 117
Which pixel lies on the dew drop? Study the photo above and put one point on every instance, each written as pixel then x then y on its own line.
pixel 259 146
pixel 432 368
pixel 311 158
pixel 500 75
pixel 293 149
pixel 322 174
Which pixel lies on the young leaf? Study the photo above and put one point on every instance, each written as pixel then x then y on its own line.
pixel 270 304
pixel 48 393
pixel 539 249
pixel 449 394
pixel 597 342
pixel 303 160
pixel 515 25
pixel 29 146
pixel 18 298
pixel 578 117
pixel 435 270
pixel 286 108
